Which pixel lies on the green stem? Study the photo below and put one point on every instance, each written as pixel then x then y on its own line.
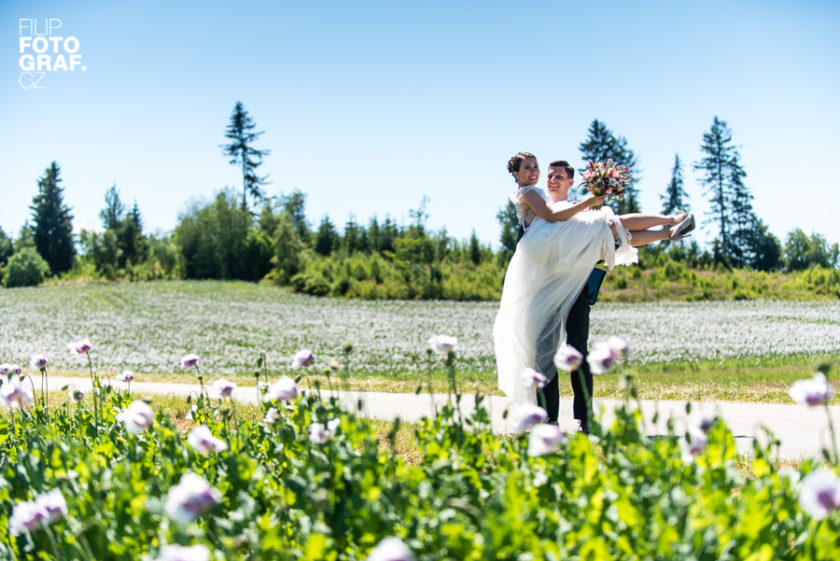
pixel 429 365
pixel 345 371
pixel 589 417
pixel 541 395
pixel 833 435
pixel 450 368
pixel 94 385
pixel 53 543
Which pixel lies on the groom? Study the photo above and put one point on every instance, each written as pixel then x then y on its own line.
pixel 560 180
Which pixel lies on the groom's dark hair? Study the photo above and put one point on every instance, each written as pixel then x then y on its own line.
pixel 570 171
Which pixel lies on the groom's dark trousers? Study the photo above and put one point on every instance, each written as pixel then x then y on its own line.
pixel 577 336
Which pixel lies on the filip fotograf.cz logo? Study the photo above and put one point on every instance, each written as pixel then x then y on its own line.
pixel 43 50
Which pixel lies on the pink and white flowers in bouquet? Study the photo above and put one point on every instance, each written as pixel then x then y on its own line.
pixel 606 178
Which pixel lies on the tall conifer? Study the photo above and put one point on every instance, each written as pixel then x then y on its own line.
pixel 52 228
pixel 602 145
pixel 240 131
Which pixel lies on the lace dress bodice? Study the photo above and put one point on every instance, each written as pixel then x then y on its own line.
pixel 523 211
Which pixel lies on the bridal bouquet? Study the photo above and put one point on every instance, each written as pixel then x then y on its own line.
pixel 606 178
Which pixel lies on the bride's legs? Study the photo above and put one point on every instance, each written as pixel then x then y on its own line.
pixel 638 225
pixel 644 237
pixel 637 222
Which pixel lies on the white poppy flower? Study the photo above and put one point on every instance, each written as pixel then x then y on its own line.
pixel 203 441
pixel 813 392
pixel 544 439
pixel 222 389
pixel 443 344
pixel 601 360
pixel 528 415
pixel 80 347
pixel 283 389
pixel 137 418
pixel 188 361
pixel 13 393
pixel 531 378
pixel 567 358
pixel 303 358
pixel 192 496
pixel 819 493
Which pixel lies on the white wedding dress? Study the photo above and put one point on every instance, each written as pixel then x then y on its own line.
pixel 544 278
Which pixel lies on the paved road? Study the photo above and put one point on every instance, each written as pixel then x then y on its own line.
pixel 802 431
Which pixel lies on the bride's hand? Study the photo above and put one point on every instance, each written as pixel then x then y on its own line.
pixel 592 200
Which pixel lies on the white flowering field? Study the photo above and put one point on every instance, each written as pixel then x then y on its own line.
pixel 148 327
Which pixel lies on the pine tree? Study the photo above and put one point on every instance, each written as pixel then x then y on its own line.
pixel 374 235
pixel 602 145
pixel 131 239
pixel 744 220
pixel 388 233
pixel 731 201
pixel 327 238
pixel 52 227
pixel 353 236
pixel 475 249
pixel 675 198
pixel 242 153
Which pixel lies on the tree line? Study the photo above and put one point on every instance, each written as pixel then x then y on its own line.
pixel 253 237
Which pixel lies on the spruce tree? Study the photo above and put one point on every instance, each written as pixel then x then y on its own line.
pixel 730 199
pixel 475 249
pixel 744 220
pixel 353 236
pixel 52 228
pixel 374 235
pixel 132 241
pixel 602 145
pixel 327 238
pixel 240 131
pixel 388 233
pixel 675 198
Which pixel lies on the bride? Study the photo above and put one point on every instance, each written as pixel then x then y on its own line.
pixel 560 247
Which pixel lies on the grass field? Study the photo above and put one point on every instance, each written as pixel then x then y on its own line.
pixel 749 350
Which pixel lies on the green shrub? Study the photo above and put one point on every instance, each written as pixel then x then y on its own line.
pixel 26 268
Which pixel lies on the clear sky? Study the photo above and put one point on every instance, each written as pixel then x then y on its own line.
pixel 369 106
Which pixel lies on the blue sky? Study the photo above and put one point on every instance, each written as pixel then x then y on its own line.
pixel 369 106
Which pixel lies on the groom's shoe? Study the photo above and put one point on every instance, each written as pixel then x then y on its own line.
pixel 683 229
pixel 583 426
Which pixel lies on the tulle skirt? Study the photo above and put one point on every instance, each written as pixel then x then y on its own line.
pixel 544 278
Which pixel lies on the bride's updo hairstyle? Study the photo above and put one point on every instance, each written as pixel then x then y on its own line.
pixel 516 161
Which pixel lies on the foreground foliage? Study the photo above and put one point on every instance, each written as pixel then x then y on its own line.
pixel 313 483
